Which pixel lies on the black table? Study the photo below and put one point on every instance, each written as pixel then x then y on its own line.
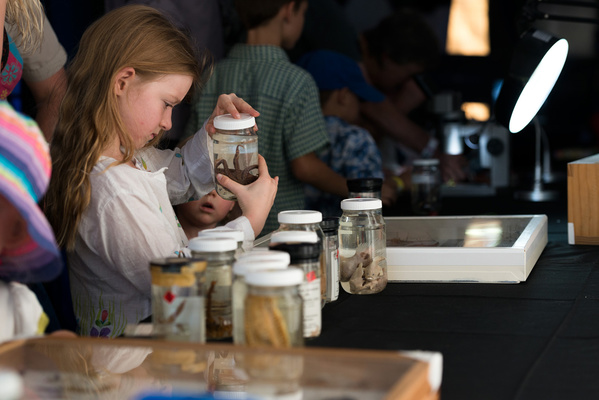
pixel 534 340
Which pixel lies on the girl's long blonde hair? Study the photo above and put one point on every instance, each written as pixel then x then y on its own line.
pixel 133 36
pixel 28 18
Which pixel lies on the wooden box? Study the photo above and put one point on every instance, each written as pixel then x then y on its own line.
pixel 583 201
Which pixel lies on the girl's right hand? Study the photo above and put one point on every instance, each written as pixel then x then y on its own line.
pixel 229 104
pixel 255 199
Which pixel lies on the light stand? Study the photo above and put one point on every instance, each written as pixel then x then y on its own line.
pixel 538 193
pixel 537 62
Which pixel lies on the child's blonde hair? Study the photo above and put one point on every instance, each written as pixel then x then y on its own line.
pixel 133 36
pixel 28 18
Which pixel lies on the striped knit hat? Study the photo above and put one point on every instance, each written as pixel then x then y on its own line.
pixel 24 175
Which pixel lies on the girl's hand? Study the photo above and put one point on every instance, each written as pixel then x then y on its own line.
pixel 255 199
pixel 229 104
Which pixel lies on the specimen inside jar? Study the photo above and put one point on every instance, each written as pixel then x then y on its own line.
pixel 264 323
pixel 239 175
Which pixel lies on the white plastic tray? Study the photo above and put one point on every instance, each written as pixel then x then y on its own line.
pixel 487 249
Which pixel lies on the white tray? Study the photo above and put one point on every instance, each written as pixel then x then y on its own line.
pixel 487 249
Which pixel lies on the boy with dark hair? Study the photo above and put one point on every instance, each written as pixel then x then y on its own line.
pixel 353 152
pixel 291 125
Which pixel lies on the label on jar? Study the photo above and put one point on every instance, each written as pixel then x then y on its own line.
pixel 333 282
pixel 310 292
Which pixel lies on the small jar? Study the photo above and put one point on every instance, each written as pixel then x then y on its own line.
pixel 235 151
pixel 240 269
pixel 305 251
pixel 266 254
pixel 362 246
pixel 219 254
pixel 236 234
pixel 364 187
pixel 306 220
pixel 273 308
pixel 330 228
pixel 426 187
pixel 177 299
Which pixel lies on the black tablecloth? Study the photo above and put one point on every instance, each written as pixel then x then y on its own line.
pixel 534 340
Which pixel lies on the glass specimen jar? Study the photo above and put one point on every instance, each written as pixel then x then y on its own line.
pixel 330 228
pixel 426 187
pixel 362 246
pixel 238 235
pixel 273 308
pixel 219 254
pixel 304 250
pixel 235 151
pixel 364 187
pixel 177 299
pixel 240 269
pixel 306 220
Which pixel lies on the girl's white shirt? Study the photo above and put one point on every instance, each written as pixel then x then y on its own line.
pixel 20 311
pixel 129 222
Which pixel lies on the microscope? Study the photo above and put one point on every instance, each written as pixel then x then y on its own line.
pixel 485 144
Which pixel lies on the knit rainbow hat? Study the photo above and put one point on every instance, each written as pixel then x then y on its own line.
pixel 24 175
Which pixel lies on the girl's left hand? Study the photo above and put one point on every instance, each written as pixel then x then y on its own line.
pixel 230 104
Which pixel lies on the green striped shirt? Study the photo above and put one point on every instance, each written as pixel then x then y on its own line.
pixel 290 124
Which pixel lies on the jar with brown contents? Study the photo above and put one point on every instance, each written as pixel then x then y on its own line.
pixel 219 254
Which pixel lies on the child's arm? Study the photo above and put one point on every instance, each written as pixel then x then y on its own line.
pixel 311 170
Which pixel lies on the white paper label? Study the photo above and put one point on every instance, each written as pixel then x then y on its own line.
pixel 310 292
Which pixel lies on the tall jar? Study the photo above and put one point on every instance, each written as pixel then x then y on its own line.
pixel 304 251
pixel 426 187
pixel 364 187
pixel 330 228
pixel 235 151
pixel 177 299
pixel 362 246
pixel 219 254
pixel 307 220
pixel 273 308
pixel 240 269
pixel 236 234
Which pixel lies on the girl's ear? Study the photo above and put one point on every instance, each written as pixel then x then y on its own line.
pixel 124 78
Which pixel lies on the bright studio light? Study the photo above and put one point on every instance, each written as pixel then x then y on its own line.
pixel 539 86
pixel 536 64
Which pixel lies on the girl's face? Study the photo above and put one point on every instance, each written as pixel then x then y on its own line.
pixel 146 106
pixel 206 212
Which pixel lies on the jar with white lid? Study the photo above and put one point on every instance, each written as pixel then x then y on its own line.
pixel 306 220
pixel 236 234
pixel 266 253
pixel 235 151
pixel 240 269
pixel 426 187
pixel 178 311
pixel 362 246
pixel 304 250
pixel 273 301
pixel 219 254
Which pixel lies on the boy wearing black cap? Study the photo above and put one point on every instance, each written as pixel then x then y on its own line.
pixel 353 152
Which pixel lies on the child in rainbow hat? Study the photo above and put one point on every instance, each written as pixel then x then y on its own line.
pixel 28 250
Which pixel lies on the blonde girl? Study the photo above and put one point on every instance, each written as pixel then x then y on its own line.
pixel 111 193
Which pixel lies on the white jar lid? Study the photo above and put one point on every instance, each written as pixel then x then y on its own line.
pixel 276 277
pixel 299 217
pixel 426 162
pixel 244 266
pixel 362 203
pixel 11 384
pixel 212 244
pixel 228 123
pixel 294 237
pixel 226 233
pixel 274 255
